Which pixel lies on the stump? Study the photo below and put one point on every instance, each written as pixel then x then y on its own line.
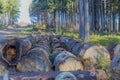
pixel 35 60
pixel 65 76
pixel 66 61
pixel 114 50
pixel 115 67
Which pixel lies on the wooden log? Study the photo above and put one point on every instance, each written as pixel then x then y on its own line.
pixel 65 61
pixel 55 44
pixel 34 39
pixel 114 50
pixel 11 52
pixel 14 49
pixel 43 46
pixel 69 42
pixel 88 53
pixel 35 60
pixel 65 76
pixel 80 75
pixel 115 67
pixel 3 67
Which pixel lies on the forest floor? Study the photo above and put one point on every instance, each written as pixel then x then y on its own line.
pixel 11 33
pixel 23 31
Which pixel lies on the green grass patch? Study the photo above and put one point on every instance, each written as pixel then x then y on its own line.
pixel 28 30
pixel 74 35
pixel 104 40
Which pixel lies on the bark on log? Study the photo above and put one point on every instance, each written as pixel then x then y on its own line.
pixel 80 75
pixel 55 44
pixel 65 76
pixel 3 67
pixel 66 61
pixel 115 67
pixel 114 50
pixel 43 46
pixel 35 60
pixel 69 42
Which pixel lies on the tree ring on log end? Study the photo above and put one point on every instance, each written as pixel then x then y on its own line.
pixel 10 52
pixel 66 61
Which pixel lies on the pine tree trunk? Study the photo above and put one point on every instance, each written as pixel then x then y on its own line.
pixel 87 21
pixel 81 28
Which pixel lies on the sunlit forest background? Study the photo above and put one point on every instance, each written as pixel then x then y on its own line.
pixel 67 17
pixel 77 18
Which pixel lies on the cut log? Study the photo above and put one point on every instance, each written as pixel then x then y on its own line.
pixel 65 61
pixel 114 50
pixel 80 75
pixel 65 76
pixel 36 60
pixel 3 68
pixel 14 49
pixel 115 67
pixel 88 53
pixel 11 52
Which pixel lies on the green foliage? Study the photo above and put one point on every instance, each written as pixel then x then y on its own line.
pixel 52 56
pixel 41 27
pixel 103 62
pixel 10 9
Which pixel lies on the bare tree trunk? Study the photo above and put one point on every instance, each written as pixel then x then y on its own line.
pixel 87 22
pixel 56 21
pixel 82 32
pixel 93 25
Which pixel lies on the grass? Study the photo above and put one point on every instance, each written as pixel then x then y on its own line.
pixel 28 30
pixel 104 40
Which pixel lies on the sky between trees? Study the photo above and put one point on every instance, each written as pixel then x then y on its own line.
pixel 24 11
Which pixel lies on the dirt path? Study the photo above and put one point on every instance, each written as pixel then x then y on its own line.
pixel 7 34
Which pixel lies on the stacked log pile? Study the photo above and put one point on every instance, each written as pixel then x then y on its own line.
pixel 64 61
pixel 33 54
pixel 37 59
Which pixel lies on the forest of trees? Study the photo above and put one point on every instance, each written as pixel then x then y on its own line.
pixel 82 16
pixel 9 12
pixel 76 16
